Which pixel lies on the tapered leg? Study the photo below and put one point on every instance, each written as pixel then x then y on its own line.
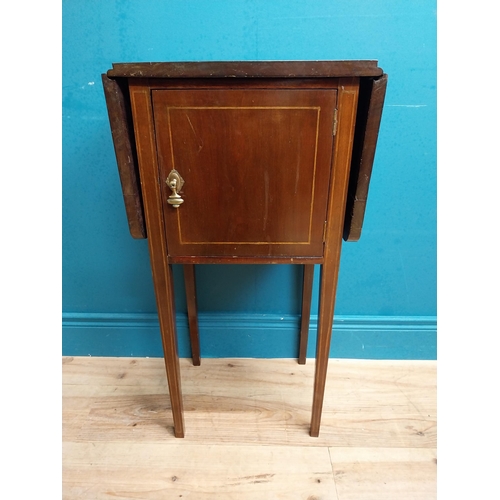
pixel 328 286
pixel 190 284
pixel 162 271
pixel 306 311
pixel 347 105
pixel 166 315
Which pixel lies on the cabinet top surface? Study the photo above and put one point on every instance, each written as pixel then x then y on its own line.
pixel 246 69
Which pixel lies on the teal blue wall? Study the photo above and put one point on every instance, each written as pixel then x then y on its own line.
pixel 386 301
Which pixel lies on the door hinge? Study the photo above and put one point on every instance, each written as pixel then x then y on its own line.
pixel 334 129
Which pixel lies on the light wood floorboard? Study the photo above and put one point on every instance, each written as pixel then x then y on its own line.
pixel 247 424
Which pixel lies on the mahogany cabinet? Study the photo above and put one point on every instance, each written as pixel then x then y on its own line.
pixel 245 162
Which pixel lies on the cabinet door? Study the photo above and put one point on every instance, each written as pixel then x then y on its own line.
pixel 256 168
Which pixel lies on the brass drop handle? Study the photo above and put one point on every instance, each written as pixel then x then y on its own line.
pixel 175 183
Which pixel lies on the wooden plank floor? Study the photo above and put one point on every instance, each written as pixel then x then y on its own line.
pixel 247 424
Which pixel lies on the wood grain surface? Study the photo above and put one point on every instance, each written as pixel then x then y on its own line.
pixel 120 121
pixel 245 69
pixel 248 430
pixel 256 166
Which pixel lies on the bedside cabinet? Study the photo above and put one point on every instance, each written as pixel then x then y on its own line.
pixel 245 163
